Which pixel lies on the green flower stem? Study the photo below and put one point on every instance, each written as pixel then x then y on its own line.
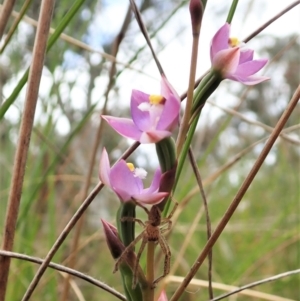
pixel 126 232
pixel 124 281
pixel 211 86
pixel 207 86
pixel 204 90
pixel 181 160
pixel 126 229
pixel 166 153
pixel 232 11
pixel 135 294
pixel 185 149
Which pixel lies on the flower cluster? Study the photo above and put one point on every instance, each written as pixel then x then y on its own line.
pixel 154 118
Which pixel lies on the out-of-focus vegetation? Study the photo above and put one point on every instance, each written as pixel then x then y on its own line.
pixel 261 240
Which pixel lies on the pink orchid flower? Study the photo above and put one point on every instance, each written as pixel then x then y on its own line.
pixel 162 296
pixel 127 183
pixel 154 117
pixel 234 62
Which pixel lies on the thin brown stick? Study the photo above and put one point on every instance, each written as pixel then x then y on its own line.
pixel 243 189
pixel 6 10
pixel 184 125
pixel 34 78
pixel 208 221
pixel 254 122
pixel 67 270
pixel 15 24
pixel 269 22
pixel 145 34
pixel 254 294
pixel 150 268
pixel 256 283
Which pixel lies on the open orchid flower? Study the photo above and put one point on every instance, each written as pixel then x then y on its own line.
pixel 233 61
pixel 127 182
pixel 154 117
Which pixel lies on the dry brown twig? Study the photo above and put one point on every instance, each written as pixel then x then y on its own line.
pixel 232 290
pixel 6 10
pixel 66 270
pixel 34 78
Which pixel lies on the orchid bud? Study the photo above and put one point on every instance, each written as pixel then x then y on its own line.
pixel 113 241
pixel 196 11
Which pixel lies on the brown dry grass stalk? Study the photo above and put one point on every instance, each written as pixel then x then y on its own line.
pixel 6 10
pixel 35 73
pixel 65 270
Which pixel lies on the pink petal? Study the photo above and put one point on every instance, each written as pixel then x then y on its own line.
pixel 220 40
pixel 250 80
pixel 167 89
pixel 140 118
pixel 246 55
pixel 249 68
pixel 139 97
pixel 155 182
pixel 155 115
pixel 151 198
pixel 123 181
pixel 170 114
pixel 226 61
pixel 104 168
pixel 153 136
pixel 124 127
pixel 162 296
